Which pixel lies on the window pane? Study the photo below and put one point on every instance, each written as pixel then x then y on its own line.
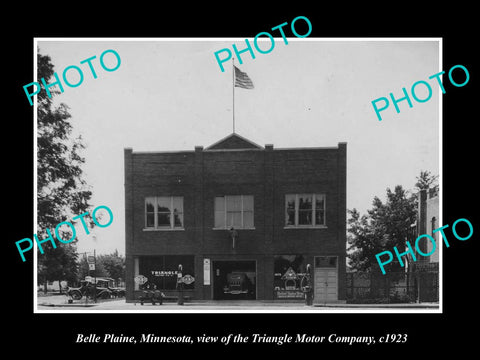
pixel 163 204
pixel 171 269
pixel 304 217
pixel 247 202
pixel 234 219
pixel 163 219
pixel 150 204
pixel 319 201
pixel 326 261
pixel 290 217
pixel 289 271
pixel 220 203
pixel 178 204
pixel 151 267
pixel 150 220
pixel 234 203
pixel 237 220
pixel 305 202
pixel 248 219
pixel 150 211
pixel 220 219
pixel 178 219
pixel 290 202
pixel 319 217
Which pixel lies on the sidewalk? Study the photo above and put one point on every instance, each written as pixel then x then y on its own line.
pixel 383 306
pixel 61 303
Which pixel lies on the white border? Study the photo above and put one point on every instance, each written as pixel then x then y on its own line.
pixel 35 176
pixel 184 309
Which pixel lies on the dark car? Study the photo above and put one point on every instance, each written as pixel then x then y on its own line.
pixel 88 289
pixel 117 291
pixel 108 283
pixel 238 283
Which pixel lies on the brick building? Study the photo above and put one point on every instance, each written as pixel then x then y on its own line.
pixel 287 208
pixel 425 270
pixel 428 220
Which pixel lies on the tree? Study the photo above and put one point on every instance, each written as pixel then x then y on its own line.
pixel 111 265
pixel 83 269
pixel 114 264
pixel 384 226
pixel 426 181
pixel 61 191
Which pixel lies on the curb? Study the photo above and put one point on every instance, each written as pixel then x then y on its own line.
pixel 66 305
pixel 382 306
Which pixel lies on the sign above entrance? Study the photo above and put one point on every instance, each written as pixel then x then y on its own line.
pixel 164 272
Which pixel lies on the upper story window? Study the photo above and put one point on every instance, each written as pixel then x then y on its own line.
pixel 304 210
pixel 164 212
pixel 234 211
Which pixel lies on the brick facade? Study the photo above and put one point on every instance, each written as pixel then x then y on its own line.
pixel 235 166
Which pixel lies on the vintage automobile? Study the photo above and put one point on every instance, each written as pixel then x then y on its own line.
pixel 88 289
pixel 238 283
pixel 109 284
pixel 118 291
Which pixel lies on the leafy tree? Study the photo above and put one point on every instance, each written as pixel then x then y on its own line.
pixel 114 264
pixel 111 265
pixel 364 241
pixel 61 191
pixel 83 269
pixel 384 226
pixel 426 181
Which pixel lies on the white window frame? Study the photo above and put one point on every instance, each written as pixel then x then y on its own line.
pixel 296 225
pixel 227 227
pixel 172 217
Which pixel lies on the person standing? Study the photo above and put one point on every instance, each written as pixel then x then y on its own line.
pixel 180 285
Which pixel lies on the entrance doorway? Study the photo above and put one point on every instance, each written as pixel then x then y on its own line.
pixel 234 280
pixel 326 279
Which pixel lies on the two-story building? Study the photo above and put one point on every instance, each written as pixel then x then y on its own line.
pixel 243 220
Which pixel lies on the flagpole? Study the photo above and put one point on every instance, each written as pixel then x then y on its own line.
pixel 233 93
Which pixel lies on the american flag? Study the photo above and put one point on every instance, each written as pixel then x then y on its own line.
pixel 242 80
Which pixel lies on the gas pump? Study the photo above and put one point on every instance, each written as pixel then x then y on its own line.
pixel 307 287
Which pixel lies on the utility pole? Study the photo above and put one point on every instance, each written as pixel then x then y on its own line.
pixel 95 276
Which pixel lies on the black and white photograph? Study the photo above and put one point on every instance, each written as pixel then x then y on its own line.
pixel 233 184
pixel 185 183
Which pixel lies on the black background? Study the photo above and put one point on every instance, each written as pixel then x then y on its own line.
pixel 54 334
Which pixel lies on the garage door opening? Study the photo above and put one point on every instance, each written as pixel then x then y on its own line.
pixel 234 280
